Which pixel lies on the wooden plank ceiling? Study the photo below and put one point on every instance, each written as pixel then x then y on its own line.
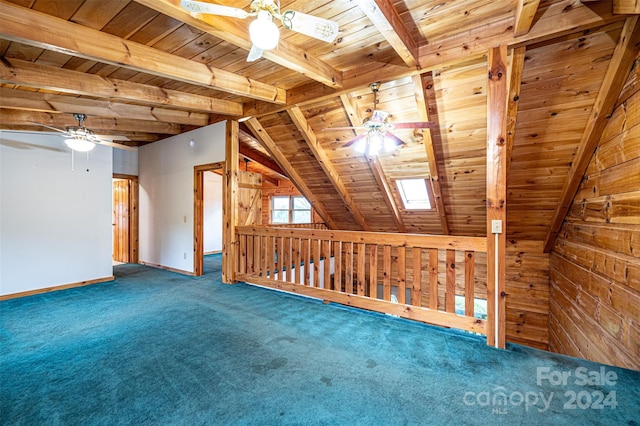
pixel 147 69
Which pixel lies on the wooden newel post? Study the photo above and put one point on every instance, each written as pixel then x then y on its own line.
pixel 230 203
pixel 497 89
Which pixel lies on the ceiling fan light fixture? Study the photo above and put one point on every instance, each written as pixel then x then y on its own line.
pixel 80 144
pixel 263 32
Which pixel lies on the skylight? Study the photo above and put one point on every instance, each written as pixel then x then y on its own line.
pixel 414 194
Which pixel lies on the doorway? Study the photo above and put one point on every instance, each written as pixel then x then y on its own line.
pixel 203 191
pixel 125 218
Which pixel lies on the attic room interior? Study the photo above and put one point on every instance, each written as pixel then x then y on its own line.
pixel 471 165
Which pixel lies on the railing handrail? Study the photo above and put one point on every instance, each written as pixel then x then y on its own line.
pixel 445 242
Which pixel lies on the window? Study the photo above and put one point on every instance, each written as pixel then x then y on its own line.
pixel 415 194
pixel 290 209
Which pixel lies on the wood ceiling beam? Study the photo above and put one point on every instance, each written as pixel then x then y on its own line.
pixel 515 82
pixel 525 13
pixel 387 20
pixel 420 88
pixel 46 102
pixel 268 143
pixel 330 171
pixel 135 138
pixel 44 31
pixel 626 7
pixel 96 124
pixel 286 55
pixel 617 72
pixel 24 73
pixel 255 167
pixel 262 159
pixel 376 169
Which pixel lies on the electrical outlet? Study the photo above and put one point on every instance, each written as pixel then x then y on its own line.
pixel 496 227
pixel 185 256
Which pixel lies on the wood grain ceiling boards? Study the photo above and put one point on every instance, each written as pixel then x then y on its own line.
pixel 568 47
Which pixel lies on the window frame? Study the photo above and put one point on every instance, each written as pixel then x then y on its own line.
pixel 291 209
pixel 401 194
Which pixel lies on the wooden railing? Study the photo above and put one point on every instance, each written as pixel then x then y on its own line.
pixel 314 225
pixel 409 275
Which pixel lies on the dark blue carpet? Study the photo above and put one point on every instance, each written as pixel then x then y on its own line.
pixel 155 347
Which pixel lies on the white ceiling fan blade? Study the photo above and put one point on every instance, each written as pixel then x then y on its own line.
pixel 112 138
pixel 50 127
pixel 254 54
pixel 213 9
pixel 118 145
pixel 309 25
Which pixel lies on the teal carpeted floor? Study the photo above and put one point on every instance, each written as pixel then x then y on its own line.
pixel 155 347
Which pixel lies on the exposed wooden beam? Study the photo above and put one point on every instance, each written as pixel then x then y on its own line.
pixel 46 102
pixel 330 171
pixel 515 81
pixel 23 73
pixel 96 124
pixel 260 158
pixel 497 89
pixel 612 84
pixel 230 202
pixel 135 138
pixel 525 12
pixel 385 190
pixel 229 30
pixel 386 19
pixel 38 29
pixel 420 88
pixel 626 7
pixel 376 169
pixel 261 134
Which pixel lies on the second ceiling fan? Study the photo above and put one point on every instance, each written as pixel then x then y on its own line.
pixel 263 32
pixel 378 136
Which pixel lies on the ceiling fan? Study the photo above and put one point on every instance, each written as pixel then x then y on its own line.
pixel 378 136
pixel 263 32
pixel 79 138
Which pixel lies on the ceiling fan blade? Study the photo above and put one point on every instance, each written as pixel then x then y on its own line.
pixel 414 125
pixel 342 128
pixel 213 9
pixel 118 145
pixel 255 53
pixel 309 25
pixel 50 127
pixel 354 140
pixel 112 138
pixel 394 138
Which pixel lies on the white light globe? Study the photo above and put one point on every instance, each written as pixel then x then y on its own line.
pixel 81 145
pixel 263 32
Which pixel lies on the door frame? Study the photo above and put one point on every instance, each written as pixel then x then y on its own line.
pixel 198 212
pixel 133 216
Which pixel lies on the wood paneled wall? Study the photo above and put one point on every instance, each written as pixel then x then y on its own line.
pixel 527 287
pixel 595 262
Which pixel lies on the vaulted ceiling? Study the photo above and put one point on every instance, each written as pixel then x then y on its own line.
pixel 148 69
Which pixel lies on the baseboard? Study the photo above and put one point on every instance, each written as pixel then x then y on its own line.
pixel 55 288
pixel 166 268
pixel 213 252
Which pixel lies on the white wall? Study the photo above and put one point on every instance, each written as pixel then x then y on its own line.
pixel 212 212
pixel 165 173
pixel 55 223
pixel 125 162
